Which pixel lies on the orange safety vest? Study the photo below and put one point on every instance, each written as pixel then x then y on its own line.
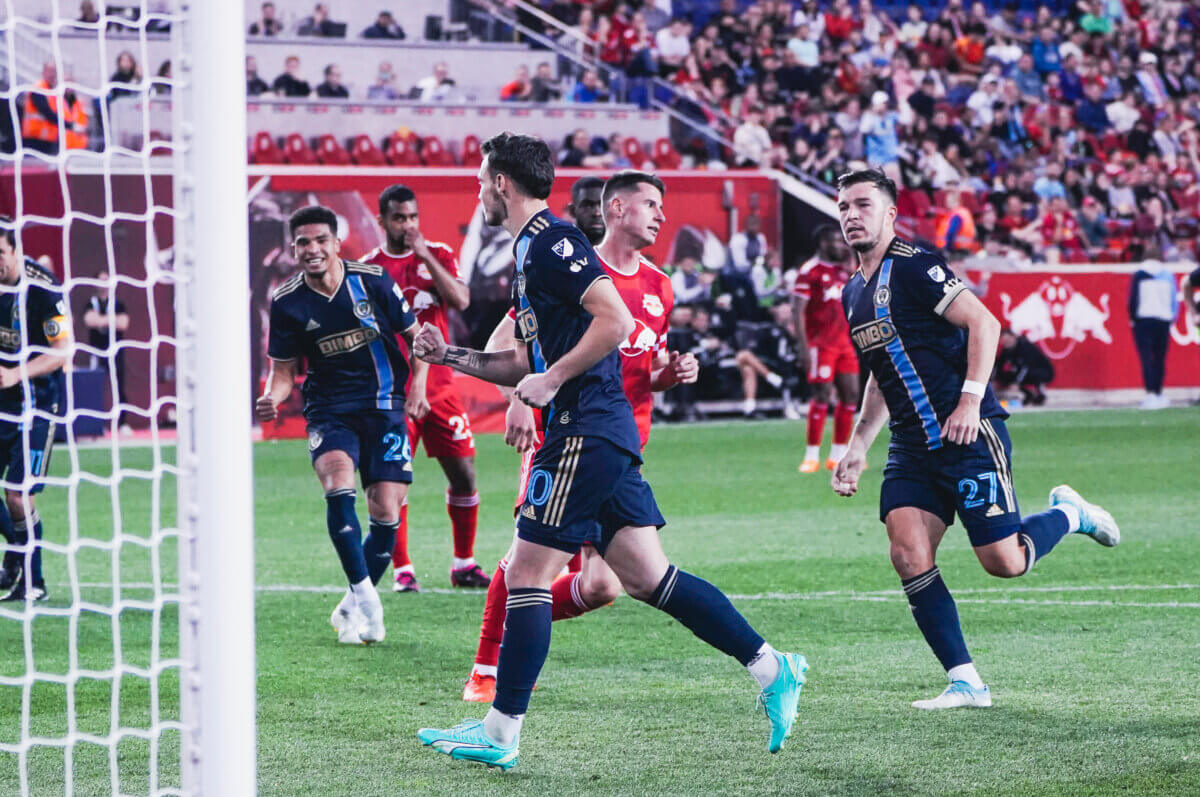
pixel 37 127
pixel 964 239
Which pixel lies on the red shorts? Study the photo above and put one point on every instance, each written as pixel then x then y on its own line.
pixel 446 430
pixel 824 362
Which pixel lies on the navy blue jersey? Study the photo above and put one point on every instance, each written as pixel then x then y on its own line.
pixel 555 267
pixel 42 314
pixel 348 339
pixel 918 358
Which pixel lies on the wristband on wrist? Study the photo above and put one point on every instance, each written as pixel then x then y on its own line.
pixel 974 388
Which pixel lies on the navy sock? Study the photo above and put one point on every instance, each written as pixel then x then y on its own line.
pixel 707 613
pixel 1041 532
pixel 936 615
pixel 12 559
pixel 523 648
pixel 35 566
pixel 346 533
pixel 30 562
pixel 377 548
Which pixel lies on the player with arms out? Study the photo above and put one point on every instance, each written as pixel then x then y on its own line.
pixel 633 215
pixel 427 273
pixel 930 345
pixel 823 347
pixel 342 317
pixel 585 484
pixel 35 343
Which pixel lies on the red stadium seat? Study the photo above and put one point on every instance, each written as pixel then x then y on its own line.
pixel 634 152
pixel 364 152
pixel 665 156
pixel 330 152
pixel 434 153
pixel 471 153
pixel 296 151
pixel 265 150
pixel 401 152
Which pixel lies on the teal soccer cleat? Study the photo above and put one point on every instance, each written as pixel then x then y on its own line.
pixel 780 698
pixel 1094 520
pixel 467 741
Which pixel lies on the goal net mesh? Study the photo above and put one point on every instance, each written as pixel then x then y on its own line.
pixel 90 677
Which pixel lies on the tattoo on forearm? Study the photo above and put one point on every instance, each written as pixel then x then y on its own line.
pixel 462 358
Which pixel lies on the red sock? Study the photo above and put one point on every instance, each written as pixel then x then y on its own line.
pixel 400 551
pixel 816 422
pixel 843 423
pixel 566 603
pixel 491 630
pixel 576 563
pixel 464 513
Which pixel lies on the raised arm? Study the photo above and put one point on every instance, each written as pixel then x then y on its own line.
pixel 505 367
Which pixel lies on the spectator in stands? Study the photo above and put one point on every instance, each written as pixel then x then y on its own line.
pixel 1094 224
pixel 923 100
pixel 519 89
pixel 1092 111
pixel 43 108
pixel 956 226
pixel 8 132
pixel 673 45
pixel 881 138
pixel 1049 185
pixel 913 29
pixel 751 141
pixel 1021 364
pixel 87 12
pixel 589 88
pixel 332 87
pixel 1061 230
pixel 544 88
pixel 747 246
pixel 690 283
pixel 384 27
pixel 576 152
pixel 1153 304
pixel 128 73
pixel 1028 79
pixel 384 87
pixel 438 86
pixel 804 47
pixel 1154 91
pixel 104 334
pixel 934 168
pixel 1045 51
pixel 319 24
pixel 770 356
pixel 254 84
pixel 268 24
pixel 289 83
pixel 161 84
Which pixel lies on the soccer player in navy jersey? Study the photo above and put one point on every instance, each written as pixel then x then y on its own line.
pixel 585 482
pixel 342 318
pixel 929 344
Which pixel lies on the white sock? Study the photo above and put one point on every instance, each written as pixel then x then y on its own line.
pixel 965 672
pixel 485 669
pixel 462 564
pixel 405 569
pixel 503 729
pixel 773 379
pixel 748 406
pixel 764 667
pixel 812 452
pixel 1072 516
pixel 348 603
pixel 364 592
pixel 837 451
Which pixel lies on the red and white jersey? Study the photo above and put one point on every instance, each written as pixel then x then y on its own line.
pixel 649 296
pixel 824 320
pixel 414 279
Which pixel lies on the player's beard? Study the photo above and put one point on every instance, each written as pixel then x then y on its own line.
pixel 595 234
pixel 497 213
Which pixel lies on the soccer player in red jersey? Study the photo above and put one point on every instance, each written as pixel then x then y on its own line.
pixel 632 206
pixel 823 347
pixel 427 272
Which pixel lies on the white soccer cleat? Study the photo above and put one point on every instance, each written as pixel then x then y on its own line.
pixel 959 694
pixel 372 629
pixel 1094 520
pixel 349 623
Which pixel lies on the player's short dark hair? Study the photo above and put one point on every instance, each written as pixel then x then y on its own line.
pixel 313 214
pixel 525 160
pixel 631 178
pixel 586 184
pixel 9 230
pixel 873 176
pixel 395 193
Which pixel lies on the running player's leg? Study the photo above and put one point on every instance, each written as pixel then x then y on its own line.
pixel 384 501
pixel 481 682
pixel 845 380
pixel 593 586
pixel 404 573
pixel 27 524
pixel 462 505
pixel 820 378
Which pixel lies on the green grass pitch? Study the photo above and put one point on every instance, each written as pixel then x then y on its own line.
pixel 1093 659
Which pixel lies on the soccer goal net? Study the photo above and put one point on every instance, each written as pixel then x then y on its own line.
pixel 126 633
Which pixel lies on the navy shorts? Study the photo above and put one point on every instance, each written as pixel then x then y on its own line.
pixel 13 456
pixel 376 440
pixel 974 480
pixel 584 490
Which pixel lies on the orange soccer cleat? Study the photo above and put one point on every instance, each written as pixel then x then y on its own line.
pixel 810 466
pixel 479 688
